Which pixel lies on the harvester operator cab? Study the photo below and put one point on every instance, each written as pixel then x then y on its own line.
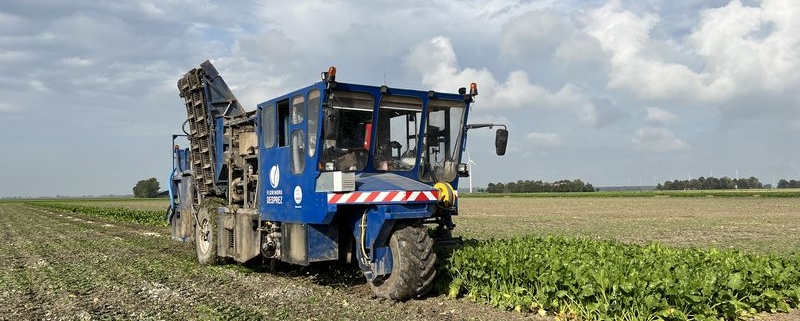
pixel 417 136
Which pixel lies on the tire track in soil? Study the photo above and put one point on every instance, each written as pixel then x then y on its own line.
pixel 126 285
pixel 18 275
pixel 68 266
pixel 136 278
pixel 58 268
pixel 77 268
pixel 129 275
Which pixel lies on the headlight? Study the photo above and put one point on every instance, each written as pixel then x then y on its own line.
pixel 463 170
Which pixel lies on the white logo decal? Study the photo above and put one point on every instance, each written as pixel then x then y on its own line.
pixel 298 194
pixel 274 176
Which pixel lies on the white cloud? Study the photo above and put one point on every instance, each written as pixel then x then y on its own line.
pixel 38 85
pixel 657 140
pixel 659 116
pixel 255 81
pixel 96 32
pixel 572 97
pixel 739 49
pixel 750 48
pixel 537 32
pixel 7 108
pixel 435 60
pixel 77 62
pixel 10 57
pixel 315 21
pixel 540 35
pixel 270 46
pixel 10 23
pixel 626 35
pixel 264 65
pixel 580 48
pixel 151 9
pixel 542 139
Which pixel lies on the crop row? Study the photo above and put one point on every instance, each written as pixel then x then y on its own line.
pixel 145 217
pixel 605 280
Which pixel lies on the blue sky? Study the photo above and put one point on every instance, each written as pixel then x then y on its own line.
pixel 613 92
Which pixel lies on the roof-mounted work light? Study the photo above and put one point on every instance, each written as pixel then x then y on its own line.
pixel 329 75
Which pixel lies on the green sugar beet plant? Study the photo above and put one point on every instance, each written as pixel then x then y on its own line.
pixel 145 217
pixel 605 280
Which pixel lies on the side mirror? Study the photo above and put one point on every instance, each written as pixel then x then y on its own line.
pixel 501 141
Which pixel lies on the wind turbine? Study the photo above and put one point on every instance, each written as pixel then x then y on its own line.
pixel 469 168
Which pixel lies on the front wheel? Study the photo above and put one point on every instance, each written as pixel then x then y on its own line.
pixel 413 265
pixel 205 237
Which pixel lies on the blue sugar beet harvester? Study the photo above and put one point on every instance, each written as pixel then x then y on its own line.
pixel 332 171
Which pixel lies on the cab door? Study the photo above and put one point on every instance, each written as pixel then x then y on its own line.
pixel 289 159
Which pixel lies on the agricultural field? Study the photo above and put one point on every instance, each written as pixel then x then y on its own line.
pixel 64 261
pixel 755 224
pixel 144 204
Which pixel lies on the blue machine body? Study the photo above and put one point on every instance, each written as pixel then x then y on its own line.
pixel 289 193
pixel 334 157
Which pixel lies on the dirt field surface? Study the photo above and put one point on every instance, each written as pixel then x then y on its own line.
pixel 59 266
pixel 65 266
pixel 752 224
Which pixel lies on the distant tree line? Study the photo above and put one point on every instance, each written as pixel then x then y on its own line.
pixel 528 186
pixel 788 184
pixel 712 183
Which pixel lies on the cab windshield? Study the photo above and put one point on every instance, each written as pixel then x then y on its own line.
pixel 442 140
pixel 346 128
pixel 397 133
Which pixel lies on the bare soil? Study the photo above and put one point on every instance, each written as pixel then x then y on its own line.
pixel 63 266
pixel 753 224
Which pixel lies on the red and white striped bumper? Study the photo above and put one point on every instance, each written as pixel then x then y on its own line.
pixel 383 197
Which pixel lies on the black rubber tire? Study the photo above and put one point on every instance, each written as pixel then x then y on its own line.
pixel 205 237
pixel 413 265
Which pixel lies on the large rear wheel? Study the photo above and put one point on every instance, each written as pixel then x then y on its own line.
pixel 413 264
pixel 205 236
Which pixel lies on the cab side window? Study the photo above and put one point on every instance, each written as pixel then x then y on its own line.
pixel 298 140
pixel 313 115
pixel 283 123
pixel 268 126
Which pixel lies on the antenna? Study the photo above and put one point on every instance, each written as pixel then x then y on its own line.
pixel 469 168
